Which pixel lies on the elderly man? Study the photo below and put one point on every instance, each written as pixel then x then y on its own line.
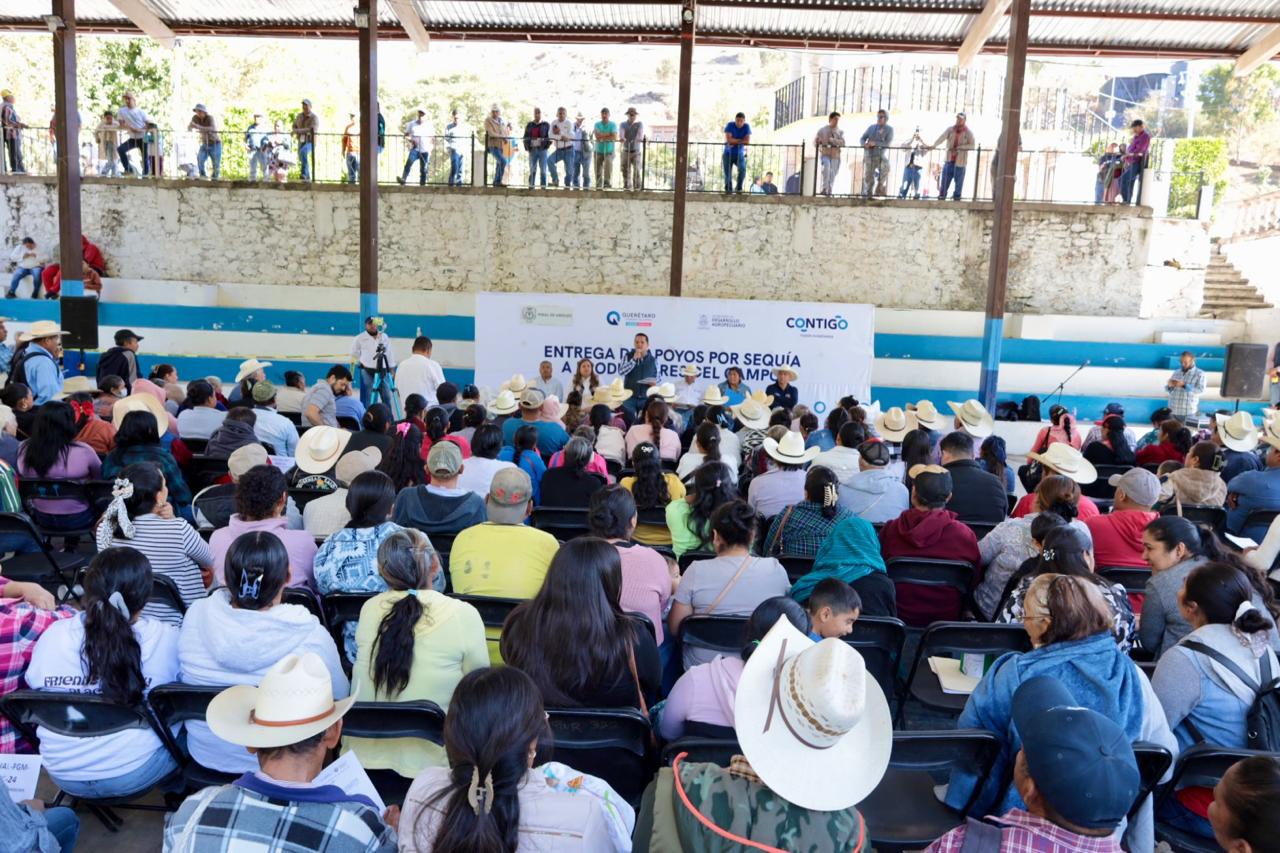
pixel 497 134
pixel 631 138
pixel 1185 387
pixel 876 141
pixel 1256 490
pixel 959 142
pixel 547 384
pixel 39 366
pixel 210 140
pixel 12 127
pixel 306 125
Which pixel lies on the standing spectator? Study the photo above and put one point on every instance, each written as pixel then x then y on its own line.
pixel 769 187
pixel 364 352
pixel 911 172
pixel 829 141
pixel 1185 387
pixel 135 125
pixel 418 134
pixel 959 142
pixel 582 153
pixel 876 141
pixel 351 148
pixel 1110 167
pixel 497 141
pixel 737 136
pixel 537 137
pixel 257 141
pixel 206 126
pixel 27 261
pixel 12 127
pixel 320 404
pixel 1135 157
pixel 279 157
pixel 606 137
pixel 122 359
pixel 306 125
pixel 457 138
pixel 631 136
pixel 107 136
pixel 39 365
pixel 419 373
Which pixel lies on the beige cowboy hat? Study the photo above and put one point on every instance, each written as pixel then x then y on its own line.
pixel 665 390
pixel 762 398
pixel 612 395
pixel 78 385
pixel 505 403
pixel 1067 461
pixel 927 415
pixel 1238 431
pixel 293 702
pixel 690 371
pixel 812 723
pixel 1271 432
pixel 893 424
pixel 516 384
pixel 140 403
pixel 787 368
pixel 713 396
pixel 974 418
pixel 320 448
pixel 790 450
pixel 250 366
pixel 751 414
pixel 41 329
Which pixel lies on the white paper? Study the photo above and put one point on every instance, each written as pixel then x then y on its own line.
pixel 20 774
pixel 1241 542
pixel 347 774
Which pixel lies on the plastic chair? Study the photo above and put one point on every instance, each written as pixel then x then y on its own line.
pixel 1132 578
pixel 165 591
pixel 44 566
pixel 1214 516
pixel 493 611
pixel 203 471
pixel 196 445
pixel 902 813
pixel 922 571
pixel 562 522
pixel 339 609
pixel 612 743
pixel 175 704
pixel 956 638
pixel 1260 518
pixel 722 634
pixel 1153 763
pixel 653 515
pixel 420 719
pixel 797 567
pixel 1202 766
pixel 1100 488
pixel 95 493
pixel 880 640
pixel 645 621
pixel 700 749
pixel 294 418
pixel 979 528
pixel 688 558
pixel 304 597
pixel 348 423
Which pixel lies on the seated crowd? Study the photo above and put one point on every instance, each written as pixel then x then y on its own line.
pixel 608 529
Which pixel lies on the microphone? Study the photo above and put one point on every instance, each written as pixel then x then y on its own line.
pixel 629 354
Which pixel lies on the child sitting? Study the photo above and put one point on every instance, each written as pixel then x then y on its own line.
pixel 833 608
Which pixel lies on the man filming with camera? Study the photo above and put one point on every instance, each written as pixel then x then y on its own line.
pixel 366 348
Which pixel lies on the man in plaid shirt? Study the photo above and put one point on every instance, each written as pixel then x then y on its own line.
pixel 1185 387
pixel 1076 772
pixel 26 610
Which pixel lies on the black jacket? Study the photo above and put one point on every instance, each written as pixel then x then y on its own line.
pixel 121 362
pixel 976 495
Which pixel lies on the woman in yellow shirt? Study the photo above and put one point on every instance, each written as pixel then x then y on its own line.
pixel 652 489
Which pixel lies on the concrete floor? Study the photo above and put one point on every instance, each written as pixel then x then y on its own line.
pixel 142 831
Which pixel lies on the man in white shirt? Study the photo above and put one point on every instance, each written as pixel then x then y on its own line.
pixel 580 169
pixel 418 133
pixel 134 121
pixel 457 137
pixel 688 392
pixel 364 352
pixel 563 136
pixel 548 386
pixel 419 373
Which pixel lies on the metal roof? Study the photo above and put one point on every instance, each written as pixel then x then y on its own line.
pixel 1190 28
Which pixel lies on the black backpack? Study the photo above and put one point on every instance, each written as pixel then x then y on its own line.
pixel 18 370
pixel 1262 724
pixel 1007 411
pixel 1030 410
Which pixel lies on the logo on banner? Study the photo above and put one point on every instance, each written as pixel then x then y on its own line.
pixel 546 315
pixel 613 318
pixel 633 319
pixel 818 327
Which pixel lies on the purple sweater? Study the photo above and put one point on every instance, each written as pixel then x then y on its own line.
pixel 81 463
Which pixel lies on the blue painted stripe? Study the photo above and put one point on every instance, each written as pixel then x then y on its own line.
pixel 368 305
pixel 72 287
pixel 1028 351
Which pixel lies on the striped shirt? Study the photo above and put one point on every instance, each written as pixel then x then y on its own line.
pixel 175 550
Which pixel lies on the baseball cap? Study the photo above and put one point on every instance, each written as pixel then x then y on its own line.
pixel 1139 484
pixel 445 459
pixel 932 483
pixel 531 398
pixel 199 108
pixel 125 335
pixel 1081 761
pixel 244 458
pixel 355 463
pixel 306 101
pixel 263 392
pixel 1113 409
pixel 509 493
pixel 875 453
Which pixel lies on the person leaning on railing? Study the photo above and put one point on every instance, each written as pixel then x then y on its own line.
pixel 306 124
pixel 13 128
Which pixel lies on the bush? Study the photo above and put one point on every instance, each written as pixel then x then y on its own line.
pixel 1192 158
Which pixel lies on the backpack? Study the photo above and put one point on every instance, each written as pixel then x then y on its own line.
pixel 1030 410
pixel 982 837
pixel 1262 723
pixel 1007 411
pixel 18 370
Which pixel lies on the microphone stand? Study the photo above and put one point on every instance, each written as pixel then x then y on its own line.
pixel 1063 384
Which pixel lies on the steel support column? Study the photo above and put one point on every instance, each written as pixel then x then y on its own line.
pixel 67 134
pixel 688 22
pixel 1002 221
pixel 367 10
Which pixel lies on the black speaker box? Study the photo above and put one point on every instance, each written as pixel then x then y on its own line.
pixel 80 321
pixel 1245 372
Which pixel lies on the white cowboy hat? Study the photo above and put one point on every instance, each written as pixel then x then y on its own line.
pixel 612 395
pixel 41 329
pixel 505 403
pixel 751 414
pixel 1271 432
pixel 78 385
pixel 666 391
pixel 786 368
pixel 790 451
pixel 813 725
pixel 927 415
pixel 713 396
pixel 893 424
pixel 293 702
pixel 319 448
pixel 762 398
pixel 1238 431
pixel 516 384
pixel 974 418
pixel 1067 461
pixel 250 366
pixel 689 370
pixel 140 403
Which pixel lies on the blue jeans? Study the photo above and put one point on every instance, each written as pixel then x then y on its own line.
pixel 257 165
pixel 132 145
pixel 21 272
pixel 580 168
pixel 1098 190
pixel 366 385
pixel 735 157
pixel 1128 178
pixel 211 152
pixel 353 168
pixel 64 826
pixel 421 158
pixel 538 164
pixel 13 144
pixel 910 182
pixel 305 150
pixel 500 165
pixel 155 768
pixel 455 169
pixel 951 172
pixel 565 156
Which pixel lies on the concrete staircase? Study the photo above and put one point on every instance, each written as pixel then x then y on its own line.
pixel 1227 293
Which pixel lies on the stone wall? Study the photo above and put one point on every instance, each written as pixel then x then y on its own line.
pixel 1066 259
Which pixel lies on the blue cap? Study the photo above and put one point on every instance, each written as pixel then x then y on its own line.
pixel 1113 409
pixel 1081 761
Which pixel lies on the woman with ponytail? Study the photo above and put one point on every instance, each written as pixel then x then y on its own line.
pixel 654 430
pixel 375 430
pixel 52 452
pixel 1207 682
pixel 92 430
pixel 494 797
pixel 412 643
pixel 239 631
pixel 706 447
pixel 1061 429
pixel 801 528
pixel 652 488
pixel 113 650
pixel 523 453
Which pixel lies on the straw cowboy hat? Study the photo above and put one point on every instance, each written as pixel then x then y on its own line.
pixel 1238 431
pixel 78 385
pixel 927 416
pixel 250 366
pixel 762 398
pixel 41 329
pixel 319 448
pixel 974 418
pixel 140 403
pixel 690 371
pixel 812 723
pixel 612 395
pixel 293 702
pixel 894 424
pixel 1271 432
pixel 1064 459
pixel 505 403
pixel 713 396
pixel 516 384
pixel 790 450
pixel 666 391
pixel 751 414
pixel 786 368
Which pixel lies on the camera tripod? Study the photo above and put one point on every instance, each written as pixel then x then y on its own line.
pixel 384 383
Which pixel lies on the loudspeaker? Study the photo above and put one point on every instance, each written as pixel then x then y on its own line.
pixel 80 322
pixel 1245 371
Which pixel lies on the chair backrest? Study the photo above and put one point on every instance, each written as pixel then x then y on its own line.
pixel 15 524
pixel 612 743
pixel 493 611
pixel 979 528
pixel 341 608
pixel 1153 761
pixel 1204 764
pixel 294 418
pixel 653 515
pixel 418 719
pixel 688 558
pixel 195 445
pixel 701 749
pixel 921 571
pixel 959 638
pixel 443 543
pixel 71 714
pixel 1260 518
pixel 165 591
pixel 797 567
pixel 880 640
pixel 300 595
pixel 204 470
pixel 1214 516
pixel 96 493
pixel 944 751
pixel 562 522
pixel 645 621
pixel 176 703
pixel 718 633
pixel 1132 578
pixel 348 423
pixel 1100 488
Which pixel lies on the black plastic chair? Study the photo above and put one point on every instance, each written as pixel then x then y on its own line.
pixel 348 423
pixel 979 528
pixel 339 609
pixel 95 493
pixel 562 522
pixel 645 621
pixel 902 813
pixel 1201 766
pixel 1132 578
pixel 493 611
pixel 165 591
pixel 720 634
pixel 1214 516
pixel 880 640
pixel 701 749
pixel 920 571
pixel 797 567
pixel 175 704
pixel 1260 518
pixel 304 597
pixel 44 566
pixel 1100 488
pixel 688 558
pixel 204 471
pixel 294 418
pixel 1153 762
pixel 612 743
pixel 421 719
pixel 196 445
pixel 956 638
pixel 656 516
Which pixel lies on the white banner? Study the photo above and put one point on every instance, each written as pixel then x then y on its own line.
pixel 830 344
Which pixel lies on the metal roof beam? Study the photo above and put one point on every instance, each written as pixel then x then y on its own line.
pixel 1259 52
pixel 407 13
pixel 146 20
pixel 981 29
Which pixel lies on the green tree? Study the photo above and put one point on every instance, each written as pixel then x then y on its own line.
pixel 1236 107
pixel 110 67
